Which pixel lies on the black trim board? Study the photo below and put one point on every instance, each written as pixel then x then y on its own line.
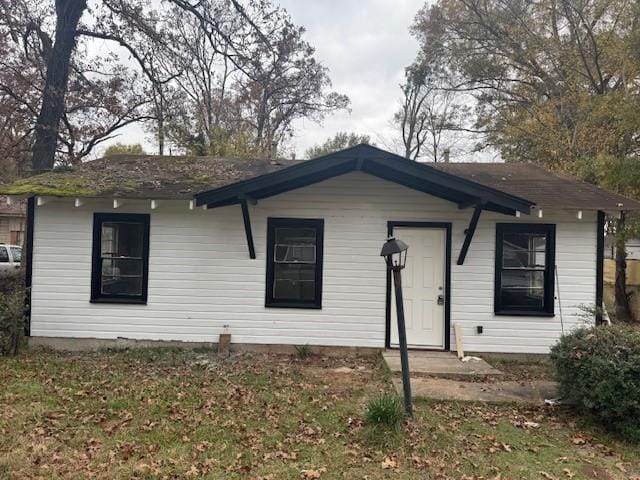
pixel 549 229
pixel 98 220
pixel 272 224
pixel 446 226
pixel 28 263
pixel 600 266
pixel 371 160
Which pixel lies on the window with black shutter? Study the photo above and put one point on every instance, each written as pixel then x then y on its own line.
pixel 120 264
pixel 294 262
pixel 525 262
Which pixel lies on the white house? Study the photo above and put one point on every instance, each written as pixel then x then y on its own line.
pixel 182 248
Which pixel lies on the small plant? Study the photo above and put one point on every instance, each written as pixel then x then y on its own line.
pixel 385 410
pixel 598 370
pixel 303 351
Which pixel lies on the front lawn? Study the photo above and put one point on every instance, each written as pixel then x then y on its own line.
pixel 188 414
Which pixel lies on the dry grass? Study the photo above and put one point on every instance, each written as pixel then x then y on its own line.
pixel 182 414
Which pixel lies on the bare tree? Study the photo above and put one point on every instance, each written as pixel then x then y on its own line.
pixel 101 95
pixel 245 79
pixel 431 118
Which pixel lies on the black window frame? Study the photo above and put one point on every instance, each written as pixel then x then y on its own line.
pixel 549 230
pixel 96 263
pixel 272 224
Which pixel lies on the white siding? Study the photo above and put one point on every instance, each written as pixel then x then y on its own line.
pixel 201 277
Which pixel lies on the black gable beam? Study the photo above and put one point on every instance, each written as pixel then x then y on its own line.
pixel 276 188
pixel 469 232
pixel 303 181
pixel 414 183
pixel 465 188
pixel 310 170
pixel 426 184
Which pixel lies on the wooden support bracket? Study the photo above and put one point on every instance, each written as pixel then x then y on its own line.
pixel 247 228
pixel 469 234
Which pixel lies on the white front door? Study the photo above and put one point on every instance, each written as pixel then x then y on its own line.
pixel 423 288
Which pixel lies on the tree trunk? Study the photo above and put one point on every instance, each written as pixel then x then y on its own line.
pixel 623 308
pixel 68 13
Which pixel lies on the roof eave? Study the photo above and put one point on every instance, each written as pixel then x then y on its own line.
pixel 375 162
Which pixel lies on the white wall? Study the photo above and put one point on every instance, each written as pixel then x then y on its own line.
pixel 201 277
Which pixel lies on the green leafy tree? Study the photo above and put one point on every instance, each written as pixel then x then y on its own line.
pixel 339 141
pixel 556 82
pixel 124 149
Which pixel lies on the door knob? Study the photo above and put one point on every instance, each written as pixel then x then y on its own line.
pixel 440 299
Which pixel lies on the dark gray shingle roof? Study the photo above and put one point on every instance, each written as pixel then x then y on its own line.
pixel 545 189
pixel 180 177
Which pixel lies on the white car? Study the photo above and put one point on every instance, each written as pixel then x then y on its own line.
pixel 10 257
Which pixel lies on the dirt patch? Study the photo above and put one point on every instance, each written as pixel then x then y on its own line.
pixel 517 370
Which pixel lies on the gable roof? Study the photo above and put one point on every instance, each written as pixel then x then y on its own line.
pixel 222 181
pixel 366 158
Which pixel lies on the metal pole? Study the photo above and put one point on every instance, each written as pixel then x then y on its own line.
pixel 402 336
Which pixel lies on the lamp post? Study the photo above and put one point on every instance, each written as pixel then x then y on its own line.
pixel 395 254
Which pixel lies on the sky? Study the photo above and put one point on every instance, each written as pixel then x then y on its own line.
pixel 365 45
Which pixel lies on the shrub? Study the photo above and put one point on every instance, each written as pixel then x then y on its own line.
pixel 12 308
pixel 598 370
pixel 385 410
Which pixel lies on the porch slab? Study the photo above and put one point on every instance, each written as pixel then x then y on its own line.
pixel 534 392
pixel 425 363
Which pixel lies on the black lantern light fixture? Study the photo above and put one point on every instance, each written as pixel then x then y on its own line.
pixel 394 252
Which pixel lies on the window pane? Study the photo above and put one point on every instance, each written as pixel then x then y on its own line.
pixel 122 239
pixel 523 250
pixel 295 253
pixel 4 255
pixel 16 253
pixel 294 281
pixel 118 285
pixel 121 267
pixel 522 289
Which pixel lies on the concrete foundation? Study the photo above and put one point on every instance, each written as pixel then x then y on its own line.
pixel 93 344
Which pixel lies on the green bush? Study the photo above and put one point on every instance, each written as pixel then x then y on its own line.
pixel 385 410
pixel 12 308
pixel 598 370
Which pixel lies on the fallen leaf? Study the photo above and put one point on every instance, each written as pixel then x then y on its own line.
pixel 312 474
pixel 389 463
pixel 620 466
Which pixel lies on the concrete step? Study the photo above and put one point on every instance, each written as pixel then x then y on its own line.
pixel 439 364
